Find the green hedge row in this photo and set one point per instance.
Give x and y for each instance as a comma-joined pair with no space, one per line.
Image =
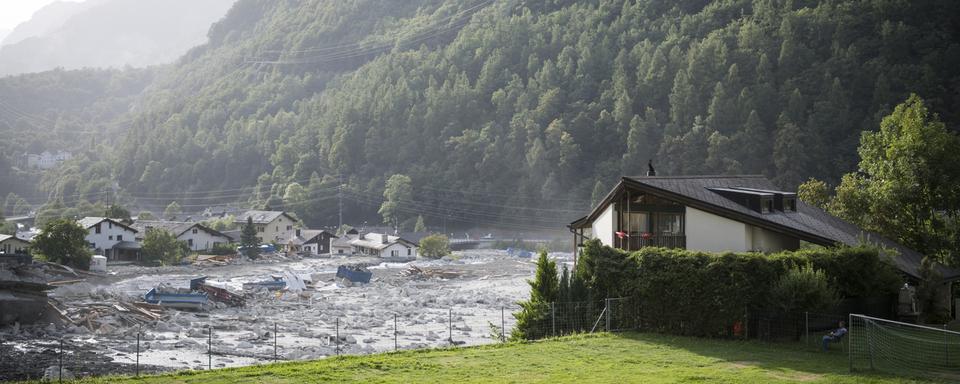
704,294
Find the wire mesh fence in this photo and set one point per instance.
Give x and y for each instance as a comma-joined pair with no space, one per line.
903,349
873,343
162,346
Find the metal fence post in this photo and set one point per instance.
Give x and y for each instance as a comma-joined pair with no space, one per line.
946,347
608,309
138,354
553,318
396,345
274,342
806,327
60,376
870,344
450,324
210,348
338,337
850,338
503,322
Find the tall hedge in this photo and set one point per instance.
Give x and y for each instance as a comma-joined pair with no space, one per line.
704,294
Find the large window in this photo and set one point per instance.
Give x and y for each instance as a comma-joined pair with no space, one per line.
636,222
669,224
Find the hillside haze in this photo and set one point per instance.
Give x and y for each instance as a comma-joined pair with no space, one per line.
522,110
108,33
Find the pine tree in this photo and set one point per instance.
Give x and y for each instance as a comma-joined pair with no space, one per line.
248,239
420,226
532,320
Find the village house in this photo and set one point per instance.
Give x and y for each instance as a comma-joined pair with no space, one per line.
383,245
720,214
12,245
111,238
197,236
272,226
310,241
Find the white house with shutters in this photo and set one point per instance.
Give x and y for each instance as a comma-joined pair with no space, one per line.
111,238
197,236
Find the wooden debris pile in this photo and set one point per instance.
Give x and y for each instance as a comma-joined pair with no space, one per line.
214,260
430,273
106,317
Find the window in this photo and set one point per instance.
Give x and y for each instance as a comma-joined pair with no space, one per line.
635,222
190,243
194,231
260,228
93,245
669,224
394,253
110,237
409,250
289,227
789,205
119,237
259,239
110,224
766,205
96,229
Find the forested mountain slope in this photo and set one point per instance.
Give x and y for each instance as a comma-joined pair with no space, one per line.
494,105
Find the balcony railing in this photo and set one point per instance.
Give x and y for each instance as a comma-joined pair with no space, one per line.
637,241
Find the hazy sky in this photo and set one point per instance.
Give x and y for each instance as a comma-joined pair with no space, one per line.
13,12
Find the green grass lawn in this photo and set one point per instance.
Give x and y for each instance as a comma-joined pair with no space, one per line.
602,358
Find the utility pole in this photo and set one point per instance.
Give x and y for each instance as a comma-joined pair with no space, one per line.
340,200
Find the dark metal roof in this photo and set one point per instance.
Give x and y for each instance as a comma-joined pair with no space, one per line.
808,223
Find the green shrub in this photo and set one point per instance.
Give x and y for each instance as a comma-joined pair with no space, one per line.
803,289
677,287
223,249
434,246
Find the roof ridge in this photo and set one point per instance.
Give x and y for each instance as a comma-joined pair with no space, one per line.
699,177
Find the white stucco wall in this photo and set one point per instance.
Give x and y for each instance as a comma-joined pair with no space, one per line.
768,241
401,251
202,240
712,233
603,226
107,237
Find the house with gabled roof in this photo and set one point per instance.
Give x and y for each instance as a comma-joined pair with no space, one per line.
723,213
111,238
12,245
272,226
198,237
310,241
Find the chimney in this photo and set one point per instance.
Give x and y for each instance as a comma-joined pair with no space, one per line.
650,170
384,239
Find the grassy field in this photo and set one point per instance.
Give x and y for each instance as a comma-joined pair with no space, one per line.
602,358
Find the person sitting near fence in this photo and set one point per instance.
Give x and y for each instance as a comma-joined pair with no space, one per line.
834,336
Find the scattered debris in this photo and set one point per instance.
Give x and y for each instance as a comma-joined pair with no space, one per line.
424,273
214,260
275,284
521,253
